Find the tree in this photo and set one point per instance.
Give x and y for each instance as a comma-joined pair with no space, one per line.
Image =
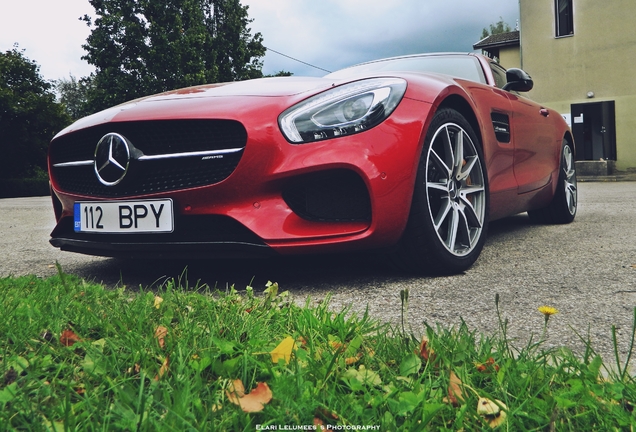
497,28
73,95
29,116
141,47
280,73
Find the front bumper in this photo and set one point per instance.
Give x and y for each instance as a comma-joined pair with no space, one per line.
275,201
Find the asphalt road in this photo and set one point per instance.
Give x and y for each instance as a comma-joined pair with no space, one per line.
587,270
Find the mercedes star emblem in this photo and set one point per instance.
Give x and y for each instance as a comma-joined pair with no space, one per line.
112,157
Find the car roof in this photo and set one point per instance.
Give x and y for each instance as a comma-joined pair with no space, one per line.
436,54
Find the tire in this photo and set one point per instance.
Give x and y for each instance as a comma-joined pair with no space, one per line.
448,221
562,208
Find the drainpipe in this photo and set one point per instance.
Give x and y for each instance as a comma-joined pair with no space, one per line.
520,38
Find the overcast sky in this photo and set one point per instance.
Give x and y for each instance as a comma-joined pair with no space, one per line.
329,34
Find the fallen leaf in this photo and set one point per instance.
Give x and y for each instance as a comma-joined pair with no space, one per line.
603,401
69,338
158,301
454,390
322,416
336,345
163,369
254,401
425,351
320,425
351,360
134,370
283,350
323,413
491,411
235,391
160,333
488,366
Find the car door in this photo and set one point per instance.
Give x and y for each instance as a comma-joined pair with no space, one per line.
533,135
532,132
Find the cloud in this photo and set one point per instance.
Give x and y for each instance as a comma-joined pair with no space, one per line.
333,34
50,32
330,34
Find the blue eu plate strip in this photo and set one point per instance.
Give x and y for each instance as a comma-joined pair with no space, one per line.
77,217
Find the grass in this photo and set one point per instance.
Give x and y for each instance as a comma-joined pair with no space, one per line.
77,356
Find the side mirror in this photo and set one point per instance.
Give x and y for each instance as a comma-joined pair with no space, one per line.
518,80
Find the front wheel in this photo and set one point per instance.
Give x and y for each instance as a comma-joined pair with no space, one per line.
562,208
448,221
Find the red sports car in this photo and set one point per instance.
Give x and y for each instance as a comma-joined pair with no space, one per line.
411,156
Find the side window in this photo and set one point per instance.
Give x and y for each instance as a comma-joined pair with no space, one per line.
499,74
564,17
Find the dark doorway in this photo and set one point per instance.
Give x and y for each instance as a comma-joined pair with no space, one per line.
594,129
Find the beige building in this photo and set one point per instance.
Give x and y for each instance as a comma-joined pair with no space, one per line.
504,47
581,55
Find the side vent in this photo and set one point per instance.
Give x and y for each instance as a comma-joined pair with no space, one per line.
501,124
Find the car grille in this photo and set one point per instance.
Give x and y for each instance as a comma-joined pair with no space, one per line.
152,138
330,196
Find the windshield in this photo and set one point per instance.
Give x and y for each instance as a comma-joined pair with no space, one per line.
459,66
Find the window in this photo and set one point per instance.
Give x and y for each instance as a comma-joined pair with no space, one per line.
499,74
456,65
564,18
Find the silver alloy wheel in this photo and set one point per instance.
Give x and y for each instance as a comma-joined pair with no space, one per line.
570,179
455,189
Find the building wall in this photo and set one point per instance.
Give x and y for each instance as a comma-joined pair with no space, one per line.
509,57
600,57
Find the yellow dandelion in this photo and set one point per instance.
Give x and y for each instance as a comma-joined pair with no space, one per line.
548,310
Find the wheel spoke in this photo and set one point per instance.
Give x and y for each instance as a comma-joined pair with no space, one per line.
441,216
458,157
438,187
471,162
570,179
470,214
474,189
448,149
440,163
465,231
570,196
453,226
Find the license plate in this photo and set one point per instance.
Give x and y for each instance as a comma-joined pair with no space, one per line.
146,216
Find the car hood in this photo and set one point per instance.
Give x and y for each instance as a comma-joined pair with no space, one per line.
190,98
278,86
241,98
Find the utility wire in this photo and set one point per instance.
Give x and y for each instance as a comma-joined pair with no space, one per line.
295,59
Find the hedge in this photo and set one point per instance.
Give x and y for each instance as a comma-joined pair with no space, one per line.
13,188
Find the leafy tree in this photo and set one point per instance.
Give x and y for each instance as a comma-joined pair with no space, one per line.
280,73
29,116
73,95
496,28
141,47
